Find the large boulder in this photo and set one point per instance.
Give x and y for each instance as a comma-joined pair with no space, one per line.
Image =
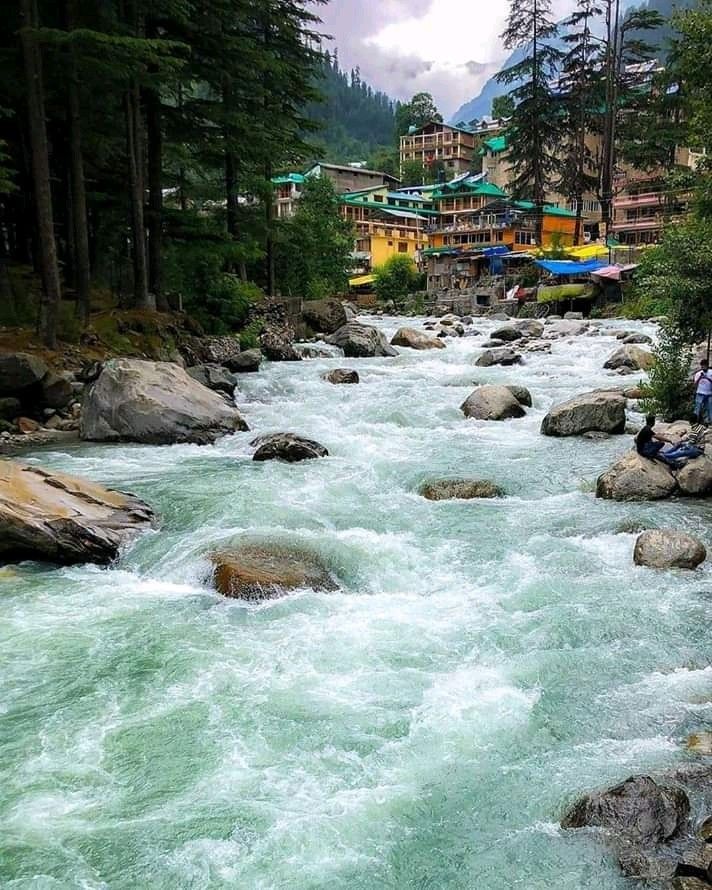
508,333
361,341
638,810
601,411
211,350
413,339
154,403
341,376
530,327
491,402
20,371
324,316
666,548
277,344
459,489
521,394
695,478
254,572
286,447
560,328
630,357
57,390
59,518
247,362
215,377
10,408
635,478
503,356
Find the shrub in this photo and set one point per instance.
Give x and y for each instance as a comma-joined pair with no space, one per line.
397,278
669,392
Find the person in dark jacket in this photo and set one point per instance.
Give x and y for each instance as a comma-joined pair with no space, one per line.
649,444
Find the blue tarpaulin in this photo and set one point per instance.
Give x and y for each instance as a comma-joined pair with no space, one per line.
566,267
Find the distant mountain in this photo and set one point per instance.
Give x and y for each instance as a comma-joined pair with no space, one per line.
481,105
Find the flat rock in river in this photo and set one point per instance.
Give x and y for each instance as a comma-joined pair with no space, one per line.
459,489
501,356
59,518
409,337
600,411
258,572
154,403
340,376
492,402
287,447
631,358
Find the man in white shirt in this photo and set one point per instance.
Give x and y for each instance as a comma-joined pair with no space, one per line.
703,391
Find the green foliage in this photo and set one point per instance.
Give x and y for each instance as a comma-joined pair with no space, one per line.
502,107
669,391
642,306
313,249
250,335
412,173
419,111
355,122
679,272
396,278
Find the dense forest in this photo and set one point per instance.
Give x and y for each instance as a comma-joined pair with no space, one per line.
355,121
138,139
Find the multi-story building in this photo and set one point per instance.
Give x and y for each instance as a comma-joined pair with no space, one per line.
459,250
387,223
352,178
437,143
287,191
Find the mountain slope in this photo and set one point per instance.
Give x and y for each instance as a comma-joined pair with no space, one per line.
481,105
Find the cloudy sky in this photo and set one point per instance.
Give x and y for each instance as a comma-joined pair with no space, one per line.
446,47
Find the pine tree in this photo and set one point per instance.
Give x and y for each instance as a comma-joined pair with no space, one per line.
580,94
535,126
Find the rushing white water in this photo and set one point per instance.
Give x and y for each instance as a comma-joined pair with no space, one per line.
425,726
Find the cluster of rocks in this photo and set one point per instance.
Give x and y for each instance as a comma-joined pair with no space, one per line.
660,829
32,395
450,325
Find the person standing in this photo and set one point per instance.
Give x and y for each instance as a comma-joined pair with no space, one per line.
703,391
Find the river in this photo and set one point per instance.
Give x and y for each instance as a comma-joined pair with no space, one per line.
424,727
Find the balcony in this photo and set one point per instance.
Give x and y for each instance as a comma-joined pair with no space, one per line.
646,199
653,222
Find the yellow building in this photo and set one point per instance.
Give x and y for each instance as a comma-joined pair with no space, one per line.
387,224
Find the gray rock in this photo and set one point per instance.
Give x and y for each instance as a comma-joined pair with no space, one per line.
600,411
413,339
630,357
277,344
10,408
508,333
459,489
215,377
19,371
637,338
218,350
565,328
493,344
695,478
530,327
501,356
247,362
309,352
341,376
634,478
324,316
361,341
286,447
521,394
491,402
666,548
57,390
154,403
259,572
62,519
573,316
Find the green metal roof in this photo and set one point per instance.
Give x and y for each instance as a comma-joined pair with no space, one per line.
549,209
496,144
295,178
487,189
388,208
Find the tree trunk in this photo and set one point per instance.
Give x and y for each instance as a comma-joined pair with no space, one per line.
134,139
155,198
49,269
611,118
269,243
80,227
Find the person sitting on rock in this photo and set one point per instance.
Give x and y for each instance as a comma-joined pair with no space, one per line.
649,444
703,391
691,445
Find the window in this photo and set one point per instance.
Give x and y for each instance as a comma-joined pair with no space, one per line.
390,244
402,247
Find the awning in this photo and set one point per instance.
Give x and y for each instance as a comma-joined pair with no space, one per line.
614,273
360,280
566,267
588,252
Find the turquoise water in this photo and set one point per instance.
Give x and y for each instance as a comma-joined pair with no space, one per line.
421,729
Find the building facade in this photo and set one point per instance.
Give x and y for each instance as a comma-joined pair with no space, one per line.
348,178
433,143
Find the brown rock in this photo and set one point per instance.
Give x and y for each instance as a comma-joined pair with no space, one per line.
258,572
459,489
27,425
666,548
341,376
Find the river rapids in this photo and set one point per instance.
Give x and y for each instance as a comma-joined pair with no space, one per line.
422,728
